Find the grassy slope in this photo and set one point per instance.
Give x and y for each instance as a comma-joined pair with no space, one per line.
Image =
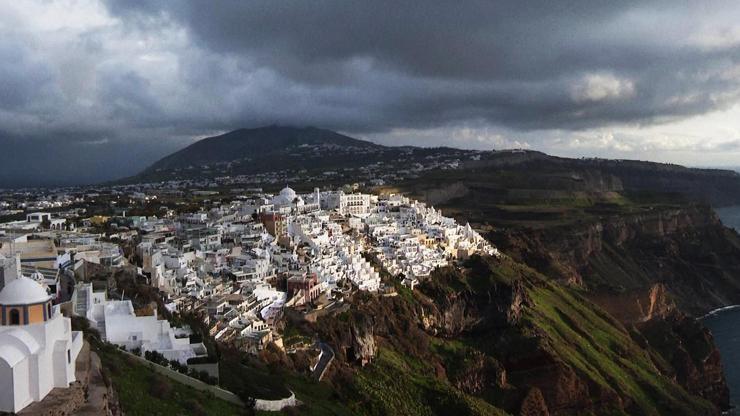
402,385
138,395
559,319
395,384
598,347
582,336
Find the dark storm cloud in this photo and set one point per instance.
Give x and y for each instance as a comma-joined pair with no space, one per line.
530,65
100,90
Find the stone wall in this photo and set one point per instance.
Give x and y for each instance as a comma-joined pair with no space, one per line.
275,405
260,404
189,381
210,368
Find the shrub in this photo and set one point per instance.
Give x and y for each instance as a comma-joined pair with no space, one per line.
195,408
160,387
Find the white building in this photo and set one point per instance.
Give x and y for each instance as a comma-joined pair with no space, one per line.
349,204
287,201
38,348
355,204
39,217
118,324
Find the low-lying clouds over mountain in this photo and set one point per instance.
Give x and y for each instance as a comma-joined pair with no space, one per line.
94,90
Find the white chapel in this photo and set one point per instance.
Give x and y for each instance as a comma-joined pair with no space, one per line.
38,348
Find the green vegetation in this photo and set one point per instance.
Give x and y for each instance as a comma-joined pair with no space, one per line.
141,391
599,348
559,322
292,337
398,384
248,377
318,398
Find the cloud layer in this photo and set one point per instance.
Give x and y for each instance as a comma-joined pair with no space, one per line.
94,90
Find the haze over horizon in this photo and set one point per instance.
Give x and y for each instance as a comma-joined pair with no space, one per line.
96,90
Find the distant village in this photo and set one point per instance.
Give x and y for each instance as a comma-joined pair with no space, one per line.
236,267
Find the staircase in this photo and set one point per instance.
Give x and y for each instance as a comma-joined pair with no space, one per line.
101,329
81,303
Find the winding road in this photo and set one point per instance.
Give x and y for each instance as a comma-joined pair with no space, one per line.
327,357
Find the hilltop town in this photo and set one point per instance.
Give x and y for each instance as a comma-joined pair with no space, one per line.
229,271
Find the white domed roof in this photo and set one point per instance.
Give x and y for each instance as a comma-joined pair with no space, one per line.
285,197
23,291
288,193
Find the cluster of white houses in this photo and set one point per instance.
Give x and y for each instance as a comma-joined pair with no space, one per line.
241,264
237,266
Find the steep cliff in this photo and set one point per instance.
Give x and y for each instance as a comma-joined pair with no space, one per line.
637,264
499,335
635,241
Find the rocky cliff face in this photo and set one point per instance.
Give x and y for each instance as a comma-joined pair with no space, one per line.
363,343
532,346
689,349
686,252
623,235
449,313
638,305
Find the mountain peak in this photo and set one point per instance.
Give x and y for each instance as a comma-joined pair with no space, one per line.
273,144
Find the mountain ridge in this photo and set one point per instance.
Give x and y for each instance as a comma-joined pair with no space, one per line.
310,152
250,139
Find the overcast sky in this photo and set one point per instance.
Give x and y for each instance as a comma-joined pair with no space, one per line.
94,90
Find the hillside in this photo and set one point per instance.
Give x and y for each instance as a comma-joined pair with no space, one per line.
249,144
496,337
596,225
309,154
592,314
268,149
720,187
591,311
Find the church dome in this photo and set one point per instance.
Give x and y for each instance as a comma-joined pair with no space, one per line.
23,291
285,197
288,193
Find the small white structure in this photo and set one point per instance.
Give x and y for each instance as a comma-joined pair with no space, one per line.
38,348
118,324
10,268
37,218
288,201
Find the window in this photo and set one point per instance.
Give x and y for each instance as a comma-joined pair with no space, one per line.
15,317
69,357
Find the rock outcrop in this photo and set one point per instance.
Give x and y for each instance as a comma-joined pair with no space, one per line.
690,350
363,343
534,404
